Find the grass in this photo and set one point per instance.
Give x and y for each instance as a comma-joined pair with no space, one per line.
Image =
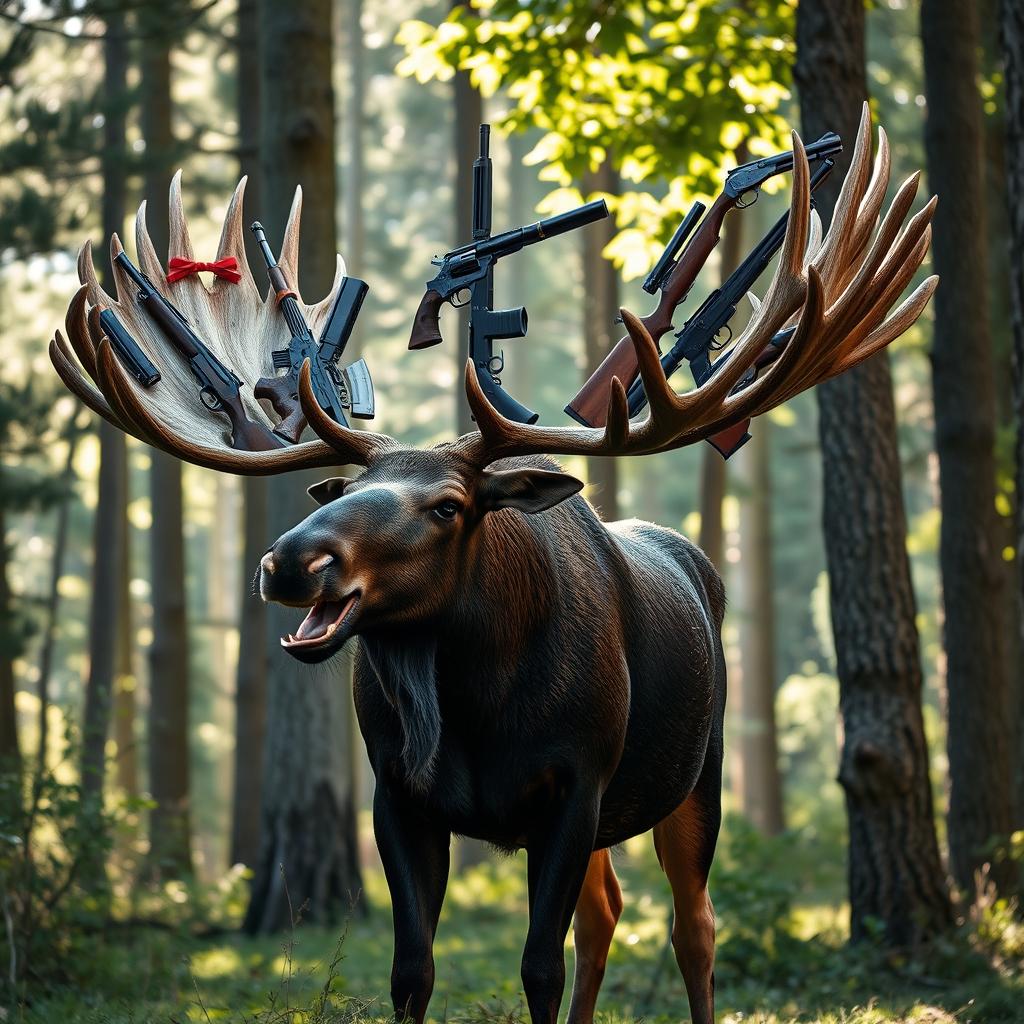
781,957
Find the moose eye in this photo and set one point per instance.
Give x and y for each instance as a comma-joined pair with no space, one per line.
447,511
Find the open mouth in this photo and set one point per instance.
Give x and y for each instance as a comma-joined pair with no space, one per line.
323,625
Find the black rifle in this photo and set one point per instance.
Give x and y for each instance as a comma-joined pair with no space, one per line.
471,267
330,386
134,360
696,340
219,388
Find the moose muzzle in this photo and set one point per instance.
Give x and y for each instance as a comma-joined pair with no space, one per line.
299,572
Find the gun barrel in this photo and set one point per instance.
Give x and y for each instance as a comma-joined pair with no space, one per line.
121,259
665,264
482,175
753,174
570,220
261,240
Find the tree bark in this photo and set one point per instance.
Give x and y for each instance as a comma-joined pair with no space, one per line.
600,331
309,855
168,748
355,167
46,651
973,577
108,525
762,783
251,675
10,750
1012,39
468,115
895,875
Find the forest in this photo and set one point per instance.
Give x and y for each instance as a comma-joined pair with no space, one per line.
186,814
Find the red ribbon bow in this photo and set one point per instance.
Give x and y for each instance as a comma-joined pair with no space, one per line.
226,269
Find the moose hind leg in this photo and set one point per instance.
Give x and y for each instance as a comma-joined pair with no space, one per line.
685,842
597,913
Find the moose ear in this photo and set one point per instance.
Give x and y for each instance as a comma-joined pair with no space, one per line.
328,490
529,490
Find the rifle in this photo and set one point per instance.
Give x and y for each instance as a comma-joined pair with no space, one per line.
335,389
219,388
696,340
674,275
134,360
471,267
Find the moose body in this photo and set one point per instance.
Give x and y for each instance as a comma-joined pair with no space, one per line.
539,681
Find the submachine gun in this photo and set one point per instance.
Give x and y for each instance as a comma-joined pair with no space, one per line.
471,268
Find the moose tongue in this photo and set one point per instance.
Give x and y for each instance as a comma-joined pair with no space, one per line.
320,618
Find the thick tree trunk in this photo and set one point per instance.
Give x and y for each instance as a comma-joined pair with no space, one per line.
1012,37
109,522
469,113
308,853
10,750
251,676
169,829
600,331
973,578
762,783
895,875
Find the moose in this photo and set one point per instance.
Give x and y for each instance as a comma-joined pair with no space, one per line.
526,674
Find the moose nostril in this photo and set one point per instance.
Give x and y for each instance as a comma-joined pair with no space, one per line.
320,562
267,563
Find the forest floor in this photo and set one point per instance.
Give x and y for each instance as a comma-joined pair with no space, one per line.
781,957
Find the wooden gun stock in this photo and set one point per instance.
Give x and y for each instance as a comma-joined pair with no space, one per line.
426,331
282,393
247,435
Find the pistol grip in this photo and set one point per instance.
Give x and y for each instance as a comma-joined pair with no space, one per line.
425,329
279,392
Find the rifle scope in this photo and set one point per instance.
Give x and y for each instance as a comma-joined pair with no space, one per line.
667,263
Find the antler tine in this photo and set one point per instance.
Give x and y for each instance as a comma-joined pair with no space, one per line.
180,241
76,383
87,276
149,262
355,447
232,239
288,257
77,327
839,241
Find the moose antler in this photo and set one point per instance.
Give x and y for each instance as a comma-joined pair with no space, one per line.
838,294
239,324
839,300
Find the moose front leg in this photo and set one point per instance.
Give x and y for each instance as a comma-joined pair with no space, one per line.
557,859
415,855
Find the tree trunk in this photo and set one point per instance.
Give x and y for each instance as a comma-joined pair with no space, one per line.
309,855
1012,37
169,827
126,680
251,676
973,577
10,751
355,167
600,331
762,784
468,115
46,651
108,525
895,875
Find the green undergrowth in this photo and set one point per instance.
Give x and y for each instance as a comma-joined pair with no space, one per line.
781,956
